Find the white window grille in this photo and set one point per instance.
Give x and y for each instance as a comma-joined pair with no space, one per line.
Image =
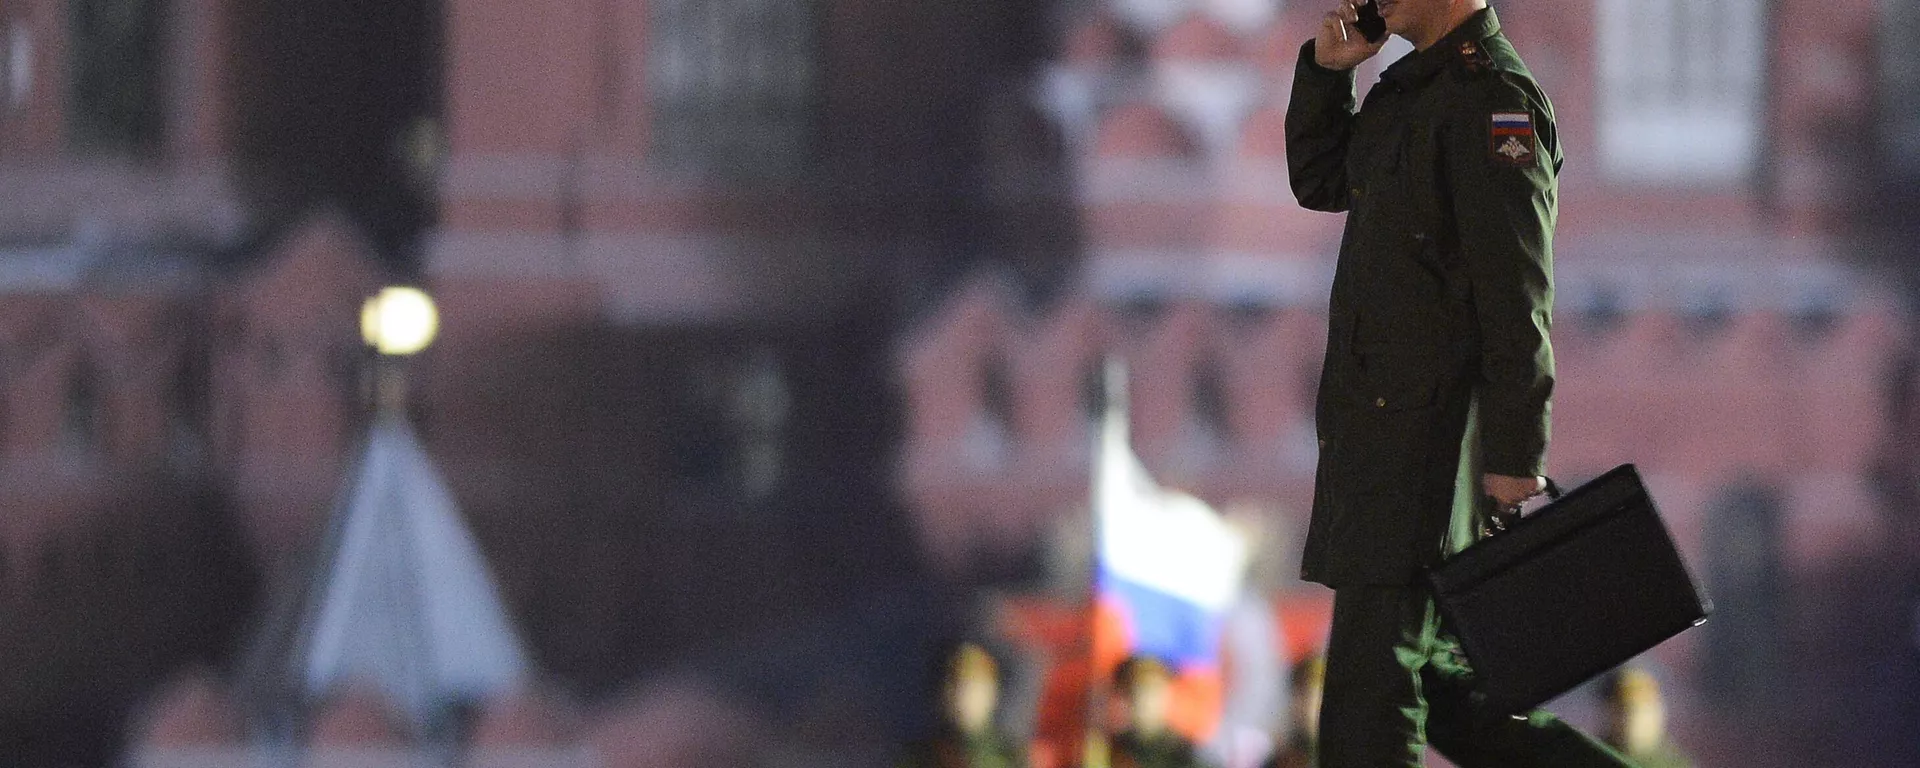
733,85
1680,89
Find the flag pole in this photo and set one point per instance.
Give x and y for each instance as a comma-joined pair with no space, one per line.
1113,428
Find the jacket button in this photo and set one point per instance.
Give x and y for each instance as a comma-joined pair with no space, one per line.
1380,403
1356,192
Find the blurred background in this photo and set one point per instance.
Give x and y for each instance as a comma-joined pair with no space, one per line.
769,358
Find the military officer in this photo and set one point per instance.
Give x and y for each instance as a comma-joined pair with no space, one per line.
969,693
1433,404
1143,689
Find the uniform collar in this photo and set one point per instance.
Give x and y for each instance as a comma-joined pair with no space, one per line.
1419,66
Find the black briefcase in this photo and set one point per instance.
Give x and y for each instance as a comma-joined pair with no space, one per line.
1574,589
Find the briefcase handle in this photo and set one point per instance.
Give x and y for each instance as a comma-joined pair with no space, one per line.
1503,520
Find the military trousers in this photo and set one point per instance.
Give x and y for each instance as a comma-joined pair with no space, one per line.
1396,681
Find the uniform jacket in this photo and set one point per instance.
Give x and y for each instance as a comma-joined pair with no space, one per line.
1438,364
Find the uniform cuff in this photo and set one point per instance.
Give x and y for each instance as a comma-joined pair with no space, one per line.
1307,67
1513,466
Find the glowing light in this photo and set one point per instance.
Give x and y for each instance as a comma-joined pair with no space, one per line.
399,320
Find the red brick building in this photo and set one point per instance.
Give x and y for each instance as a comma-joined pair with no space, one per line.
674,241
687,250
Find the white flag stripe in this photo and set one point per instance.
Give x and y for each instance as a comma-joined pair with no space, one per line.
1157,538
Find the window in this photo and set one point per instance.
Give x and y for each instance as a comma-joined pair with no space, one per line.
1093,391
1245,314
1707,310
758,413
1140,311
1599,306
1208,404
733,85
989,442
115,60
1815,307
81,422
186,442
1246,17
1680,90
727,426
1208,429
1900,83
19,63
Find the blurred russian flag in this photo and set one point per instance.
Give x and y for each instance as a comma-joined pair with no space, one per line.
1168,570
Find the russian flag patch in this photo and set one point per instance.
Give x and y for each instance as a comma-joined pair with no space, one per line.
1513,142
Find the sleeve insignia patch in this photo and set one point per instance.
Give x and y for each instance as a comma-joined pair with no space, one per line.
1513,142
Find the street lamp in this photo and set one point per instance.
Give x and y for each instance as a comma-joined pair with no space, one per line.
399,320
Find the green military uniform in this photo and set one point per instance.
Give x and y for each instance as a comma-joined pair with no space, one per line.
1441,297
1161,750
1438,368
956,750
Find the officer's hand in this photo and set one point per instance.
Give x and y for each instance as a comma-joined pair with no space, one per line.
1340,46
1510,492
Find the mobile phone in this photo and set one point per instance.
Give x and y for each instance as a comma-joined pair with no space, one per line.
1371,26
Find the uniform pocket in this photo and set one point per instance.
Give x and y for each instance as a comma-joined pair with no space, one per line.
1397,377
1398,396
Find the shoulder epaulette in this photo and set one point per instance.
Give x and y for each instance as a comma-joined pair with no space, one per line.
1474,57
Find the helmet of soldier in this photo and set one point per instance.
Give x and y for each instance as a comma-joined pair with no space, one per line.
970,687
1143,687
1636,714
